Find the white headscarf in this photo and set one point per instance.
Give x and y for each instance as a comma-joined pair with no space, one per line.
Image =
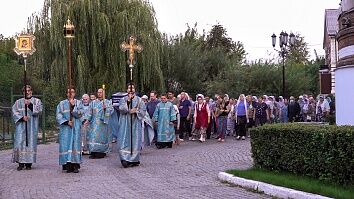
200,95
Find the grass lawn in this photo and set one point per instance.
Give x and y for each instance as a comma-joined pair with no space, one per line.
296,182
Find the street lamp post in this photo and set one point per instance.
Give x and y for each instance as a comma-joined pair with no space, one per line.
284,39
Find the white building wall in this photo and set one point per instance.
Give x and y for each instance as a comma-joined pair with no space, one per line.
344,95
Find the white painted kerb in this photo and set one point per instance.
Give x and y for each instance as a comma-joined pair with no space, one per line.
268,189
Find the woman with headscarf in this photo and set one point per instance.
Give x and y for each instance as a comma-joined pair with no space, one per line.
241,113
283,110
221,113
251,109
201,118
322,109
312,109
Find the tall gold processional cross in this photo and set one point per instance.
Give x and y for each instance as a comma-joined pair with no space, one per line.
131,47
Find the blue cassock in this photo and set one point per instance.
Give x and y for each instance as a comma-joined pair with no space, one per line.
21,153
165,114
99,118
69,138
124,135
149,134
113,123
114,120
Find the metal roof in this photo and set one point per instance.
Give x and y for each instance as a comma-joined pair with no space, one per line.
330,24
331,21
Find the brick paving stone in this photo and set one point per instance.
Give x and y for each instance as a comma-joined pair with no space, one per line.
186,171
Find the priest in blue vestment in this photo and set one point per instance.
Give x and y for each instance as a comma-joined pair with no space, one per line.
165,117
69,116
132,112
24,154
98,138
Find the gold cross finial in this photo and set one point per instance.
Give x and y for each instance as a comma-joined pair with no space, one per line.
131,47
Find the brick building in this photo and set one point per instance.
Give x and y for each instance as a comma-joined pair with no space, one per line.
330,45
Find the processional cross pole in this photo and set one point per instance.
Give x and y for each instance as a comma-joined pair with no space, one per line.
24,46
69,34
131,47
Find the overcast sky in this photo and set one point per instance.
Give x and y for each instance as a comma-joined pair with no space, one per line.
250,21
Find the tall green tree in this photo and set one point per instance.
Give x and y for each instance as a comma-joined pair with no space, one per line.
11,72
221,49
218,38
299,52
100,27
195,62
301,73
182,61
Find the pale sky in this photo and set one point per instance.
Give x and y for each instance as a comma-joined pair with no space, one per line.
250,21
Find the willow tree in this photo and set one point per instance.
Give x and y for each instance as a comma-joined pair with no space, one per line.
100,27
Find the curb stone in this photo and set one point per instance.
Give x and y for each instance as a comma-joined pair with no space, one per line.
268,189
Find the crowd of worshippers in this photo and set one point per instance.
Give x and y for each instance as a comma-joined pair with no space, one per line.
91,124
224,116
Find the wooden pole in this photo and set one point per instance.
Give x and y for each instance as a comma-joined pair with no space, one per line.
25,96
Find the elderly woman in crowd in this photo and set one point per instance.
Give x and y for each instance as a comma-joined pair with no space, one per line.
283,110
322,109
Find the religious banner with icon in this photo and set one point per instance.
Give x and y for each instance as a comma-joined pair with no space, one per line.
25,44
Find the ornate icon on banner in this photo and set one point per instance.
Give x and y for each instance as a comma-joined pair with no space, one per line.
24,44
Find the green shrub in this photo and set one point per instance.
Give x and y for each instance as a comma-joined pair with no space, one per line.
322,152
331,119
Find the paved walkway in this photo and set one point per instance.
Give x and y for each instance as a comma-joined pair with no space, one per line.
186,171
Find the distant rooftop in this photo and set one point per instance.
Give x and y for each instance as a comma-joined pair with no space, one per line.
330,24
331,21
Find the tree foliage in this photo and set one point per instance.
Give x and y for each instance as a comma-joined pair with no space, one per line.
209,62
299,52
199,62
182,60
10,70
218,38
100,28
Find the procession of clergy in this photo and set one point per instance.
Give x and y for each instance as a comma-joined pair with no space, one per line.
90,126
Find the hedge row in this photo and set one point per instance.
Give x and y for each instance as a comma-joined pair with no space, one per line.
322,152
